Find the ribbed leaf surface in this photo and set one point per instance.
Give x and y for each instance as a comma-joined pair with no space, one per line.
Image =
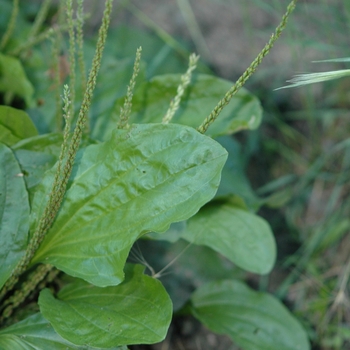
138,311
139,181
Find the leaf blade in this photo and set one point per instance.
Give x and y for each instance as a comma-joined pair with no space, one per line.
253,320
240,236
139,181
137,311
35,332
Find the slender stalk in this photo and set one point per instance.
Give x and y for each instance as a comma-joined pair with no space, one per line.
185,80
40,18
11,25
125,111
167,38
71,33
26,288
194,29
249,71
26,45
58,189
32,41
56,69
67,118
80,42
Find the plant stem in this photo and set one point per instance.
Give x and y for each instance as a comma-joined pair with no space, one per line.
126,109
248,72
185,80
80,42
71,54
58,189
40,18
11,25
56,41
26,288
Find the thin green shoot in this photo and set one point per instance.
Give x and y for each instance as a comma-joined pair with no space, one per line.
125,111
185,81
11,25
312,78
194,29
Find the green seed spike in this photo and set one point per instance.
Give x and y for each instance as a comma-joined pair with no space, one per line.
58,189
125,111
71,32
249,71
185,80
26,288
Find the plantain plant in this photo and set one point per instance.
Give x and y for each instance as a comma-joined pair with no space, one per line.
78,192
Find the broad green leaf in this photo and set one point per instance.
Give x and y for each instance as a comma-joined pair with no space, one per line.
242,237
15,125
14,213
13,80
138,311
253,320
141,180
234,186
151,101
36,333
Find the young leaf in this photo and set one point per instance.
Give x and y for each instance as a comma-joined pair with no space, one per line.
141,180
151,101
13,79
35,332
15,125
14,213
137,311
253,320
240,236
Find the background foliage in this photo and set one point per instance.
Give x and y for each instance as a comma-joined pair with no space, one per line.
297,162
